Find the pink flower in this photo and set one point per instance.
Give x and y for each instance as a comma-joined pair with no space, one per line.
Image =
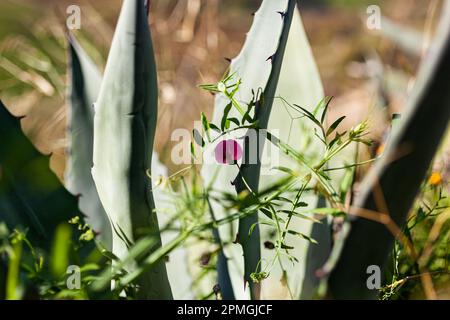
228,152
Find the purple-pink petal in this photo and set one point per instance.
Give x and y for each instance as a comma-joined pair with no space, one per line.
228,152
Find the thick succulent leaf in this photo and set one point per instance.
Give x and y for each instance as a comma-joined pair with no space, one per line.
165,202
249,174
299,82
315,256
252,67
223,272
124,128
31,196
411,150
85,80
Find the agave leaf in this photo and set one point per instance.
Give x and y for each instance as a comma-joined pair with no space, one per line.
302,85
315,256
224,279
299,83
124,128
165,203
31,196
250,173
85,80
251,66
411,150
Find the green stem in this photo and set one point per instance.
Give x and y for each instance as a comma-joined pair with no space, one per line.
12,284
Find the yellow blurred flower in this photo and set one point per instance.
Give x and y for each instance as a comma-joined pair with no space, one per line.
435,179
380,149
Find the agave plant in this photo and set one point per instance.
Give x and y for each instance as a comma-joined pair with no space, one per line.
83,92
126,113
128,224
112,126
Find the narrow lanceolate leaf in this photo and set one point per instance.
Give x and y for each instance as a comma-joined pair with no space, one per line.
393,183
85,80
250,173
124,128
31,196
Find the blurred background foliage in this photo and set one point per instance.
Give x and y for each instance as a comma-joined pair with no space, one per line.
369,72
